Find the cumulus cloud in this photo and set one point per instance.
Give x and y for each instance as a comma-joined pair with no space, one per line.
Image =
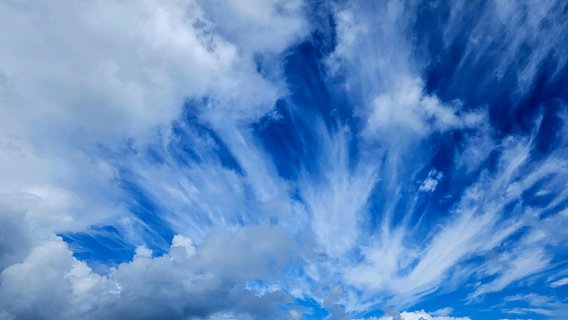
185,282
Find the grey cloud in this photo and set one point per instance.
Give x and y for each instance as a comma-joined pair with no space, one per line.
187,283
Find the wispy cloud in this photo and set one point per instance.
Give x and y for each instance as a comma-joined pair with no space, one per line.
559,282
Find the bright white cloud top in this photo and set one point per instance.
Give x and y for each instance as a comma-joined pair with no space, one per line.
283,160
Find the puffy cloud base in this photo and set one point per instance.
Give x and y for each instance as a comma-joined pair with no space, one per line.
187,282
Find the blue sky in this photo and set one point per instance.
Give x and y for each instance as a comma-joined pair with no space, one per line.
284,160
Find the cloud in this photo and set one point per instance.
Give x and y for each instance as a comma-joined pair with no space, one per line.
250,174
81,75
559,282
406,107
50,283
85,78
431,182
534,304
380,75
258,26
500,28
475,227
185,282
15,242
336,200
152,58
423,315
383,79
80,82
155,56
518,267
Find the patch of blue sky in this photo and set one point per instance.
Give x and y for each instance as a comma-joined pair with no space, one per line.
154,230
192,142
313,310
102,247
288,140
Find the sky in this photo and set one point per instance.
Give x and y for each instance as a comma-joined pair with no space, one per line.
269,159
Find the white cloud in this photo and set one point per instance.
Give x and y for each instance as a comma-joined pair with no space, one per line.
383,78
407,107
443,311
264,26
516,25
559,282
431,182
380,75
534,304
422,315
336,200
81,76
524,311
151,59
519,266
474,228
104,69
